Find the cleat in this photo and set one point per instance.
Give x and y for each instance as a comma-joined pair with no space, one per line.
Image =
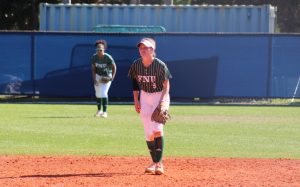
98,113
104,115
159,169
151,168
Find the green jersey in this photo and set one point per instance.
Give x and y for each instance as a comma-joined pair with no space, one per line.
103,65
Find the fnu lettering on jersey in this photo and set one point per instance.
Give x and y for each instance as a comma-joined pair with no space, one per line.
147,79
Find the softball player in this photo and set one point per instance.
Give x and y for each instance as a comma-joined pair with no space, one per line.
103,65
150,79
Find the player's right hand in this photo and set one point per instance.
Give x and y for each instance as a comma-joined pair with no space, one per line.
137,106
96,83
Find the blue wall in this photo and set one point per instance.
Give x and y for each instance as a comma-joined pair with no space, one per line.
202,65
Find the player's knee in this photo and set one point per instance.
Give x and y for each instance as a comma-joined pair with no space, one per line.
150,137
157,134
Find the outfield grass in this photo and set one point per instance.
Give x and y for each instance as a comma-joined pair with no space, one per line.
194,131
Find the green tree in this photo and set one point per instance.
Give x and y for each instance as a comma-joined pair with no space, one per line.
20,15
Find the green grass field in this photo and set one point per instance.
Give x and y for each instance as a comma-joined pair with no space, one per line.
194,131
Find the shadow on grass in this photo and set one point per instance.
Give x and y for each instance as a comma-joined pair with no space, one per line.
53,117
295,104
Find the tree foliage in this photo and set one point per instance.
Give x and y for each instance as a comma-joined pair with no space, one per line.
20,15
23,14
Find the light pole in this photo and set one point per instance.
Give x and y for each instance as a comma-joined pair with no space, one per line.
168,2
67,1
34,15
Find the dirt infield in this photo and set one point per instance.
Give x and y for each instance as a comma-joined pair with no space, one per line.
129,171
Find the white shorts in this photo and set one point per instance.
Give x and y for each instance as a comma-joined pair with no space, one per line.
101,90
149,101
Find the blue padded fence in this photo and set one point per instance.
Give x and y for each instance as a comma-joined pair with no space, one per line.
202,65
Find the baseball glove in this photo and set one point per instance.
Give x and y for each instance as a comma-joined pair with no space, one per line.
160,115
105,79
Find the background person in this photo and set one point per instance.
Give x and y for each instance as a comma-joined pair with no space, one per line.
103,66
150,79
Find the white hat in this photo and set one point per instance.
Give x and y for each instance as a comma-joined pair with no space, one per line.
148,42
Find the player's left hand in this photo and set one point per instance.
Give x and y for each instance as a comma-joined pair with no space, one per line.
160,115
164,105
